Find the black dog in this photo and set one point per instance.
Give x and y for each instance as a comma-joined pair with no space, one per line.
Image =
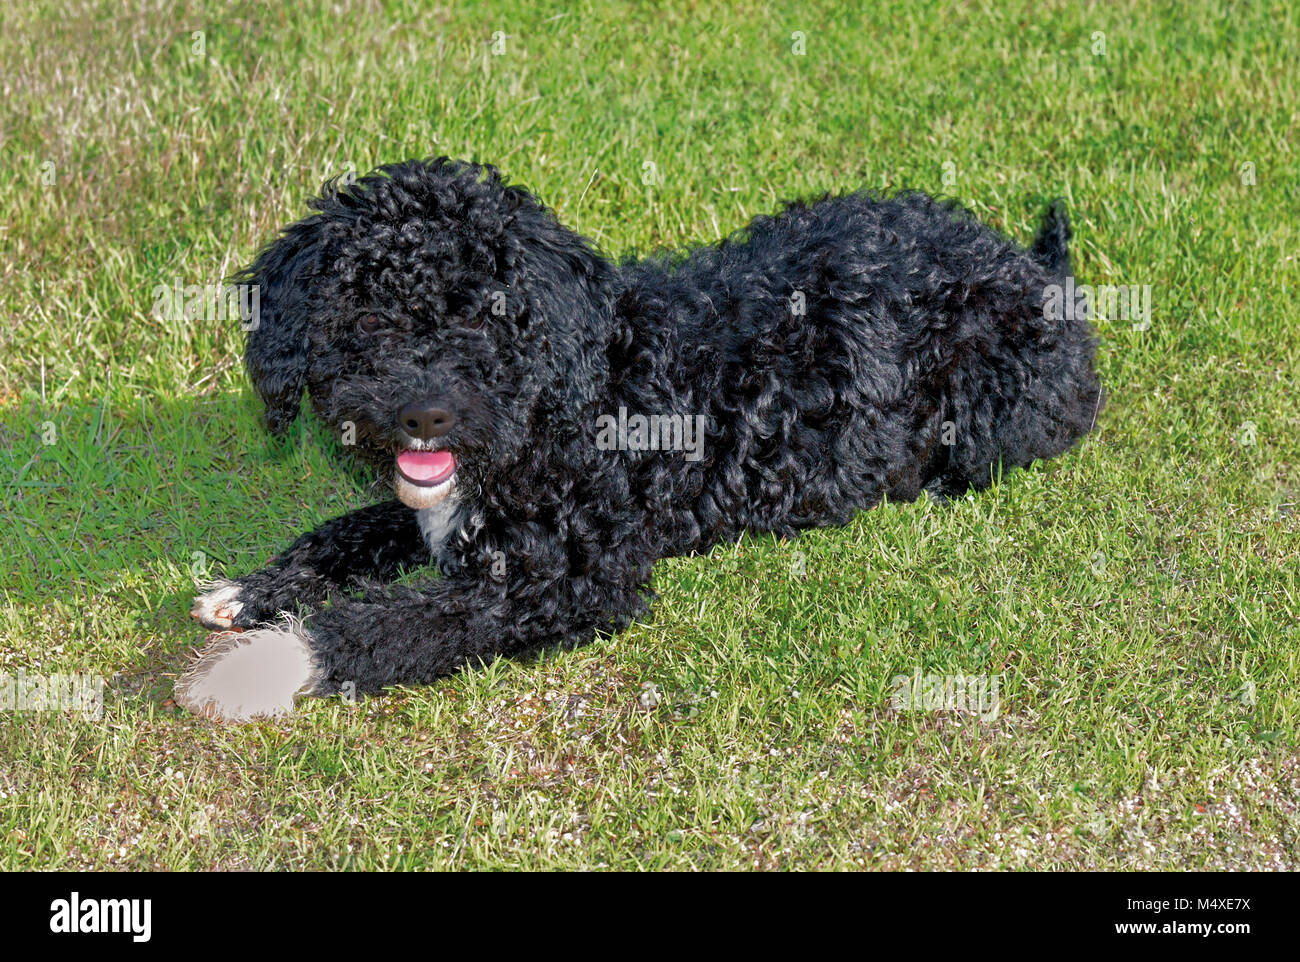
554,423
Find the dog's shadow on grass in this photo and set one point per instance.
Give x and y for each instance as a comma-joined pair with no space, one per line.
117,511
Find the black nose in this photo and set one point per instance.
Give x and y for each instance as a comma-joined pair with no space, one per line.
424,421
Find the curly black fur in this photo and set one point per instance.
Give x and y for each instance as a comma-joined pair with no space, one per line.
840,352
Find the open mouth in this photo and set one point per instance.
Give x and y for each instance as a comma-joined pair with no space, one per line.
426,469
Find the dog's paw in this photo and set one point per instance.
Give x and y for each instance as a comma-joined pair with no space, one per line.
246,675
218,607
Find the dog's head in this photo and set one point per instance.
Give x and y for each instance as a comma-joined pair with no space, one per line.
439,319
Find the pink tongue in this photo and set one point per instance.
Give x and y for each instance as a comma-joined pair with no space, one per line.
426,466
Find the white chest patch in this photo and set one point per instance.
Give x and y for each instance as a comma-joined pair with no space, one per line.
437,523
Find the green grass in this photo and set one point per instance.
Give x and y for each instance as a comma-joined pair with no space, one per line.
1138,597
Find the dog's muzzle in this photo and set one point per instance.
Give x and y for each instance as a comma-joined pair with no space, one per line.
424,475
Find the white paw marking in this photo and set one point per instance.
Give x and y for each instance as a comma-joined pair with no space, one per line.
250,674
218,607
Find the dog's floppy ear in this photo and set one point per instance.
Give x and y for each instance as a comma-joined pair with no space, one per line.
568,306
276,350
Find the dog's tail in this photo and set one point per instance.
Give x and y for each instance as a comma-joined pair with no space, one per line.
1052,245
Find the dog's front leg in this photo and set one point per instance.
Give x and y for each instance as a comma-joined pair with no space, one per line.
401,636
373,543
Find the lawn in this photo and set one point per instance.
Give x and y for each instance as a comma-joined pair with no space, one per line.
1136,601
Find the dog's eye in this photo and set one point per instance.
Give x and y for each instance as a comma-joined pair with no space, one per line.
369,324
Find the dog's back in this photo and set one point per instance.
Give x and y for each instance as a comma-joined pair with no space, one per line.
858,348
